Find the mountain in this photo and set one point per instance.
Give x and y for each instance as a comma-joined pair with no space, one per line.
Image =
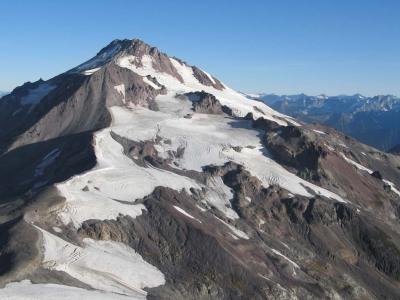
372,120
138,175
2,93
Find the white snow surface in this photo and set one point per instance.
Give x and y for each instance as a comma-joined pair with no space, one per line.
285,257
104,265
361,167
25,290
90,72
151,83
357,165
37,94
392,186
319,131
239,103
183,212
236,232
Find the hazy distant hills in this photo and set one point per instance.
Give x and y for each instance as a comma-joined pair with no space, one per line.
372,120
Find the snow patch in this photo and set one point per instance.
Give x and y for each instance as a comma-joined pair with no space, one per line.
185,213
209,77
357,165
90,72
57,229
151,83
319,131
237,233
392,186
285,257
121,90
104,265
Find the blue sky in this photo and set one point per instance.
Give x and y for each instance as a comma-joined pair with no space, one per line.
284,47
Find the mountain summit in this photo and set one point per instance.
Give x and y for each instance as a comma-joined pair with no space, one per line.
137,175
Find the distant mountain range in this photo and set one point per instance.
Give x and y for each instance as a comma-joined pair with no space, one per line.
372,120
2,93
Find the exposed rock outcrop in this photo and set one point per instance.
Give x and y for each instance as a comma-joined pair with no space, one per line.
205,103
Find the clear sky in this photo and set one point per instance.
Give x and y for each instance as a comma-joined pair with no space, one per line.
284,47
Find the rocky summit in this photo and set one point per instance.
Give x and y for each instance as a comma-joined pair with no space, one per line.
138,176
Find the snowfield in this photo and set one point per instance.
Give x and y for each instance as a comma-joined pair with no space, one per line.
104,265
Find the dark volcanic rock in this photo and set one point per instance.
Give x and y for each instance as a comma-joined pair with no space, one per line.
293,148
377,175
205,103
203,78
